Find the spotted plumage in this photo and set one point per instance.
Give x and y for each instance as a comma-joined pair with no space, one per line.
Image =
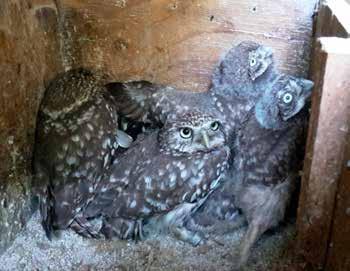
268,153
77,136
245,71
234,85
237,83
269,157
162,179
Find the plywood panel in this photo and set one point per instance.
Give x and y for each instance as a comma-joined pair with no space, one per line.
28,58
339,247
333,19
329,126
179,42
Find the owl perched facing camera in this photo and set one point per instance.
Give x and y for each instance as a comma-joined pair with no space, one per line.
162,179
77,134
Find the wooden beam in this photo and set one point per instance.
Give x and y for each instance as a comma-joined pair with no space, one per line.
338,258
333,19
325,147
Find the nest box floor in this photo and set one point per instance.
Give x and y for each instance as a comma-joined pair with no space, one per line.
33,251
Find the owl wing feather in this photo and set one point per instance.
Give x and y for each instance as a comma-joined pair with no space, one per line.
146,102
73,155
153,183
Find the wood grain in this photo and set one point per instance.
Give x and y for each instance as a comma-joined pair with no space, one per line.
339,245
179,42
322,184
328,134
28,59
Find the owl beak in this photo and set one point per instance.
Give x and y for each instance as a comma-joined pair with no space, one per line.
205,139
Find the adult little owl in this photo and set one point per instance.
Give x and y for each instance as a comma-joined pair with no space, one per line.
77,135
162,179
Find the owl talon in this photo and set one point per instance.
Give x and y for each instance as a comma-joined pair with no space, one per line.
139,234
84,228
194,238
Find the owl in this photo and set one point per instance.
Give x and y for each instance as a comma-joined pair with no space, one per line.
245,71
77,135
238,81
162,179
268,156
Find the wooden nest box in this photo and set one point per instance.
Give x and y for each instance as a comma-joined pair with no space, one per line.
178,43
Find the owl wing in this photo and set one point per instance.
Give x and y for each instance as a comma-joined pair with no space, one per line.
145,102
74,153
152,183
135,100
270,154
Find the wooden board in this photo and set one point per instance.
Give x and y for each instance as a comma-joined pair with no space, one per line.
322,184
179,42
329,131
339,246
333,19
28,58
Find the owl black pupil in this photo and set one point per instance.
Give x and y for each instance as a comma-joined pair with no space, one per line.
186,131
215,125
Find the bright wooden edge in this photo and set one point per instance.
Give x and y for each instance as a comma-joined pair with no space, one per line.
335,45
341,9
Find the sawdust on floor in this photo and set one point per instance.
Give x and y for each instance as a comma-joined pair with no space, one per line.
33,251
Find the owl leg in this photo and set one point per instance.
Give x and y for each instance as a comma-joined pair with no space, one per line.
138,231
267,214
184,234
83,227
252,235
118,227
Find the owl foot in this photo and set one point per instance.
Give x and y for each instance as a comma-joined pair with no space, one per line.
83,227
194,238
139,234
122,228
252,234
217,226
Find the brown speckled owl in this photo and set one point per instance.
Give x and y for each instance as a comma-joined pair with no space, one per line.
77,135
162,179
238,81
269,151
243,74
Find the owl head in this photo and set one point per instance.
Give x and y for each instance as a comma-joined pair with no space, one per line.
259,59
68,91
283,100
190,133
246,64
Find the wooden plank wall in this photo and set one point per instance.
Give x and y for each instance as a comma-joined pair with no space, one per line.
178,42
339,248
28,59
323,215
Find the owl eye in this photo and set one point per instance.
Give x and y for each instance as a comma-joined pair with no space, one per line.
186,132
287,98
252,62
215,125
